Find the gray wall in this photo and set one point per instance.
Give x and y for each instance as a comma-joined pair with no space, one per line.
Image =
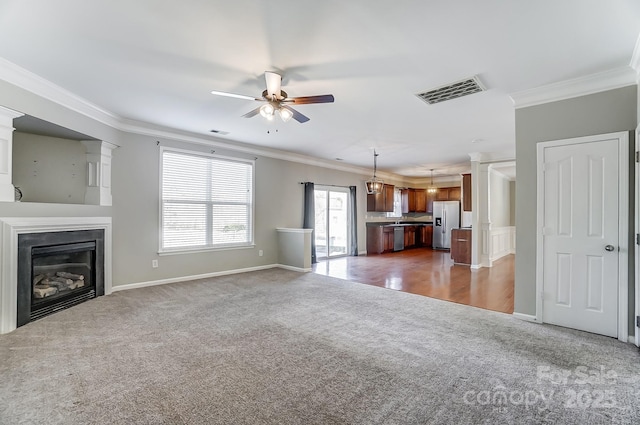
605,112
49,169
278,203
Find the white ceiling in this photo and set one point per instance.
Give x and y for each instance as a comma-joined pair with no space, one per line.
156,61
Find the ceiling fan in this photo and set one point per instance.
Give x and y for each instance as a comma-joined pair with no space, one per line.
277,100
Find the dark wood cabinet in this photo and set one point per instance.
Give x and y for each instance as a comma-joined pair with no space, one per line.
448,194
461,246
381,202
442,194
454,193
430,197
424,235
409,237
421,200
466,192
379,239
414,200
408,200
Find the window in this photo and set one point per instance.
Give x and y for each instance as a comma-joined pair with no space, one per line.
206,201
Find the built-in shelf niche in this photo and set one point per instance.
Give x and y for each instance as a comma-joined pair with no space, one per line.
52,164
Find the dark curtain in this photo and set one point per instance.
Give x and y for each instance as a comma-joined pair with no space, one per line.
310,217
353,222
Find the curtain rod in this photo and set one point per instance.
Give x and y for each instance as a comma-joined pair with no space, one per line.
331,185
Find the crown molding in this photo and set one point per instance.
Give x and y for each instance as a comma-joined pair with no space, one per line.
27,80
635,59
582,86
146,130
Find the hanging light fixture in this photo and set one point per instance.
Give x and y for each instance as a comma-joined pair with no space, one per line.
432,189
374,185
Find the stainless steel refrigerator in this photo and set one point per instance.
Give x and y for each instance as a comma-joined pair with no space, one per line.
446,216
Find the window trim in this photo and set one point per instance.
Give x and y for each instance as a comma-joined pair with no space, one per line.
218,247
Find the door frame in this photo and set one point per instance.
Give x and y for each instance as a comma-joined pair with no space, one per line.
341,189
637,237
623,223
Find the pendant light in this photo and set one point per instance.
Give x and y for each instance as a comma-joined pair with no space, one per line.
432,189
374,185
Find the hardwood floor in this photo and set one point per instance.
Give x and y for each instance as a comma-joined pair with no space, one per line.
432,273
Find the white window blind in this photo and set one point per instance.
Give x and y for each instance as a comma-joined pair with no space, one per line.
206,202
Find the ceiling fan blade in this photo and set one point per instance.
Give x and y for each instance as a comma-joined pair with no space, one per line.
296,115
237,96
305,100
252,113
274,82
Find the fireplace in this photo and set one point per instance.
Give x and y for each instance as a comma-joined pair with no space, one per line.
57,270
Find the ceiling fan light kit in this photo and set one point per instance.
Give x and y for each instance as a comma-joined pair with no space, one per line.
374,185
278,100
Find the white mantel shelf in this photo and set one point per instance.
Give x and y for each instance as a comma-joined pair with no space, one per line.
11,227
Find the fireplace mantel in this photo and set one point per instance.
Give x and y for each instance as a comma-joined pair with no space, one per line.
11,227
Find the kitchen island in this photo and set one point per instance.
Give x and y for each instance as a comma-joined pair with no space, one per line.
389,236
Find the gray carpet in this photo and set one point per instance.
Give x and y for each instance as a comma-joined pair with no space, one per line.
279,347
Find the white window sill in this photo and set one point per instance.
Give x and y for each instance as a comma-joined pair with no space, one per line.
181,251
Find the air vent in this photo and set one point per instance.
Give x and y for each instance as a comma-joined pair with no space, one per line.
220,132
452,91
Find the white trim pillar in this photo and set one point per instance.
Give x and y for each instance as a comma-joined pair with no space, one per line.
7,191
480,215
98,190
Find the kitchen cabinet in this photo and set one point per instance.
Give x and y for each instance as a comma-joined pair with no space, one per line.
424,235
421,200
448,194
430,197
379,239
466,192
409,237
454,193
381,202
408,197
414,200
461,246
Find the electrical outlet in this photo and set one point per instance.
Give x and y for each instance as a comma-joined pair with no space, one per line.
154,264
260,253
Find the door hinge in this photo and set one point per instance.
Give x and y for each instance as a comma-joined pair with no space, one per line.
637,238
638,321
638,156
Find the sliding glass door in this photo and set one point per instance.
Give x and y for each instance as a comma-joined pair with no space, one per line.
332,223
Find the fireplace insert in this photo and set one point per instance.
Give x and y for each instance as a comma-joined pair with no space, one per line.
57,270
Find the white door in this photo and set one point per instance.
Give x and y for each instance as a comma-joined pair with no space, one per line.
581,236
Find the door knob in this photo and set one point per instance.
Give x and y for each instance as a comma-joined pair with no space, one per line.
609,248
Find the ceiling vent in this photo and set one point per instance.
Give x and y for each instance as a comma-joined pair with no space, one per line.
452,91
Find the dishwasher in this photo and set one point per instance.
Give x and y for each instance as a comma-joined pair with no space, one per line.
398,238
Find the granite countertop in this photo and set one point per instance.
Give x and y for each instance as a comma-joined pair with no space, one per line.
401,224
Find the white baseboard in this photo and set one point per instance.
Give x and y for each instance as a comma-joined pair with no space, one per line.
192,277
525,317
632,339
295,269
475,267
